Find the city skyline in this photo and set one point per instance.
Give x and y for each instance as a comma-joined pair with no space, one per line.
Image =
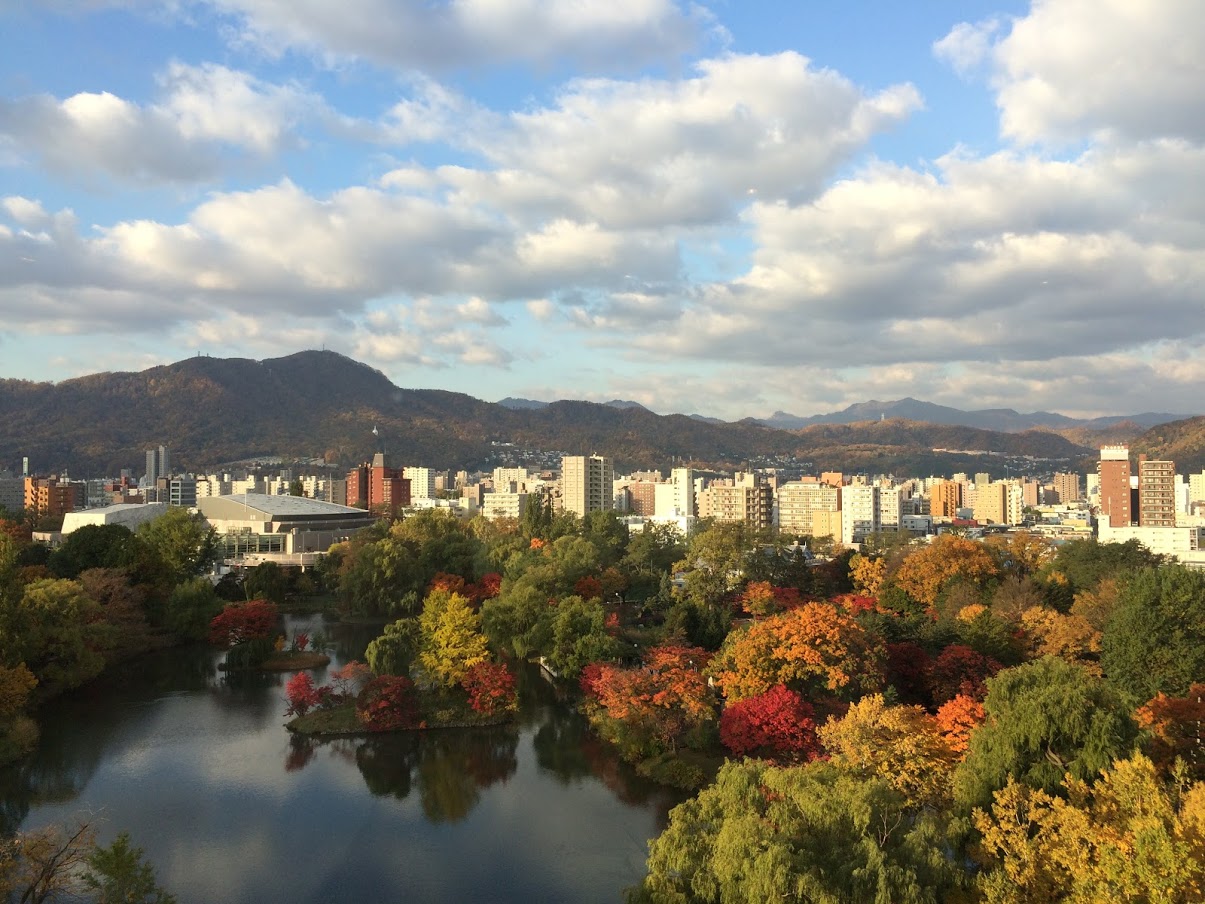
701,208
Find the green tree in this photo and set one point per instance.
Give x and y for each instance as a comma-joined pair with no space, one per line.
1155,640
57,631
1085,563
810,833
93,546
266,581
117,874
1045,719
191,607
579,636
181,544
394,650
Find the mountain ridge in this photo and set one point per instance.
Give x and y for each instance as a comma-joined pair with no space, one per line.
323,405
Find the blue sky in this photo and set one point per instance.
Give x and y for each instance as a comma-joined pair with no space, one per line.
723,208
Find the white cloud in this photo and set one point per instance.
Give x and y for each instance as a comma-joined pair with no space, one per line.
433,37
1077,69
966,46
206,114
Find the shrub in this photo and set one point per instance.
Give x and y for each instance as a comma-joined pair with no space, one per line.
491,688
387,703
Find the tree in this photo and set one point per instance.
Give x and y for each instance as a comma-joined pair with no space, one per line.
1069,637
44,865
901,745
1044,719
1021,553
867,573
183,545
266,581
579,636
190,609
956,719
394,650
301,694
647,709
1085,563
1173,730
93,546
812,649
1155,641
777,725
123,608
1125,838
811,833
452,642
491,688
57,631
960,670
387,703
929,570
117,875
242,622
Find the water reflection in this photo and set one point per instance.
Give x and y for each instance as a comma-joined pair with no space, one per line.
189,761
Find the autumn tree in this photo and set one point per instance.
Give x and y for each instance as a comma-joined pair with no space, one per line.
956,719
451,638
648,709
491,688
958,669
867,574
242,622
777,725
1021,553
1045,719
579,636
811,833
57,631
387,703
929,570
191,607
1069,637
901,745
814,649
301,694
1173,731
1155,640
1127,837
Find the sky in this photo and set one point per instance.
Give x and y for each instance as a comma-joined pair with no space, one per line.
721,208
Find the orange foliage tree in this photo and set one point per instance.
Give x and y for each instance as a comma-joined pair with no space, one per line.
926,572
815,649
957,718
656,702
1174,725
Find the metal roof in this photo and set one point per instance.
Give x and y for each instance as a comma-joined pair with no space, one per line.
279,506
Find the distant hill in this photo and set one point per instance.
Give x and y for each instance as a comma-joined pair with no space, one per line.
323,405
521,404
1002,419
1181,441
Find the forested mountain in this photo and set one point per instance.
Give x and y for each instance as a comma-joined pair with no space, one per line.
1181,441
319,404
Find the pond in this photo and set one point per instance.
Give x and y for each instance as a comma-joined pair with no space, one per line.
228,806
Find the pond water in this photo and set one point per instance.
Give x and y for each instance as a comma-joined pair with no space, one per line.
229,807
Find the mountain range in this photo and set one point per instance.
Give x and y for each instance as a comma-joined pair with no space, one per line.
319,404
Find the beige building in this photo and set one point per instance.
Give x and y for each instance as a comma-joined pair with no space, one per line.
799,501
746,499
1156,493
587,484
1067,488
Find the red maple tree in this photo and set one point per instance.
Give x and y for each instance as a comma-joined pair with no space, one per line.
778,724
491,688
240,622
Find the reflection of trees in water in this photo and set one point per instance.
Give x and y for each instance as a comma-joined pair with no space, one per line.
301,751
449,767
558,744
55,773
454,765
387,763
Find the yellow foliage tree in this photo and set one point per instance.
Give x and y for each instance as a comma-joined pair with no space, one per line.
901,745
452,642
1021,552
1125,838
926,572
1097,605
811,649
1069,637
867,574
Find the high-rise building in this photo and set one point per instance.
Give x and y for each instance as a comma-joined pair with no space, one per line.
51,496
587,484
683,480
422,482
860,513
747,499
375,485
1114,471
1066,487
798,503
182,491
157,465
1156,493
945,498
